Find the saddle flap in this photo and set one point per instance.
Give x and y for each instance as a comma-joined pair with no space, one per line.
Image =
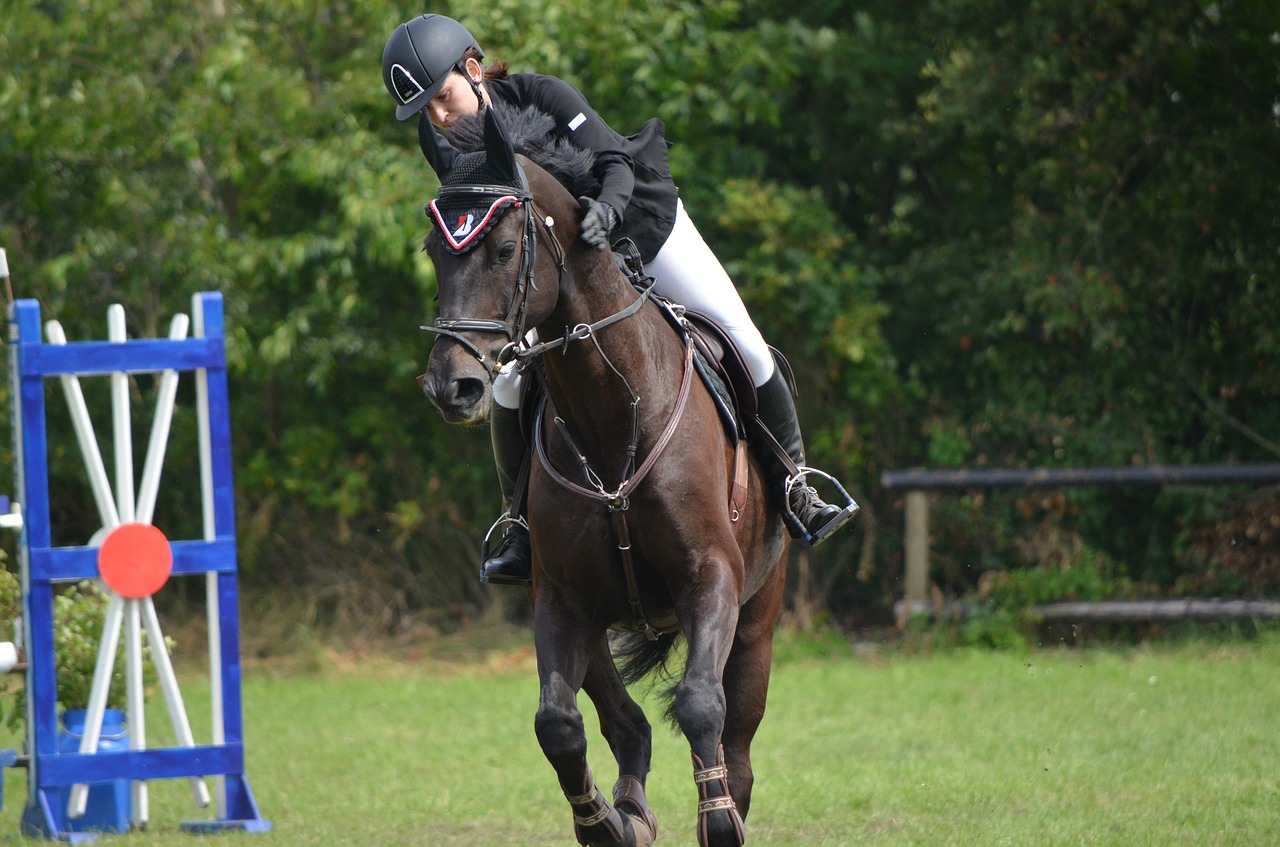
717,345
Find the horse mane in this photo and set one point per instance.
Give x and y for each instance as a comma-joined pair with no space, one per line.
532,134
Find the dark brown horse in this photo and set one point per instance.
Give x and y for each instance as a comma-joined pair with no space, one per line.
629,496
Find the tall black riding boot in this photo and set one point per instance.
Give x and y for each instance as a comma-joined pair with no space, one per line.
806,514
511,562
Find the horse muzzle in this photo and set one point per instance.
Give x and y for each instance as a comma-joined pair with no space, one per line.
461,400
457,384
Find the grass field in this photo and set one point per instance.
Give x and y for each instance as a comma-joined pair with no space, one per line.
1142,746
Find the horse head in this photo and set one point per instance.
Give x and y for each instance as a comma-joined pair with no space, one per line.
498,258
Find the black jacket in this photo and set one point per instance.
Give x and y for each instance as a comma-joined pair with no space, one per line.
635,178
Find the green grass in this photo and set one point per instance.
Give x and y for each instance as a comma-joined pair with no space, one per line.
1147,746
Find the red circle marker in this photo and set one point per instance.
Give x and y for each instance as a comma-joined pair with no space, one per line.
135,560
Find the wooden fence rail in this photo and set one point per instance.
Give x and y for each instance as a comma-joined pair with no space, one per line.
917,484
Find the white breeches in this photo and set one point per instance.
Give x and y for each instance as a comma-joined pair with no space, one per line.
688,273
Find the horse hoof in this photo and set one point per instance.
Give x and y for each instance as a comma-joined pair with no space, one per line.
644,835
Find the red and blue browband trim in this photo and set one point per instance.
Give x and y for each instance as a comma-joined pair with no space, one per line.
469,224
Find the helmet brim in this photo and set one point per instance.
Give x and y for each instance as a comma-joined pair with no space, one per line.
404,111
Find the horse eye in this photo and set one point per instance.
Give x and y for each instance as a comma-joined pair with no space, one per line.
505,252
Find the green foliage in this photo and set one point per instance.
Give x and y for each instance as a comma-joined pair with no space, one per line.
78,614
10,614
1002,615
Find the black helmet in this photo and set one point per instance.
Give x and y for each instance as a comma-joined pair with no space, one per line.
418,57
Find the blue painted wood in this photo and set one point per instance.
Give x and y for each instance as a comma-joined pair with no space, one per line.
90,358
63,564
37,594
159,763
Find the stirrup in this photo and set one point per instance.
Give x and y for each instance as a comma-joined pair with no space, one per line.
502,521
486,552
846,513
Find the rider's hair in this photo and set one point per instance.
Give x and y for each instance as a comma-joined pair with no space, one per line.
498,70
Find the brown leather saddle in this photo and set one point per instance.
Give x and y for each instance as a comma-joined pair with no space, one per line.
720,364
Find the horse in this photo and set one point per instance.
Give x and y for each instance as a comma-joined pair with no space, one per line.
638,538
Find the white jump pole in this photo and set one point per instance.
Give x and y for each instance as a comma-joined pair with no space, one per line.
212,602
151,468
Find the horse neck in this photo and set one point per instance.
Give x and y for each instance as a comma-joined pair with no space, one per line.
594,401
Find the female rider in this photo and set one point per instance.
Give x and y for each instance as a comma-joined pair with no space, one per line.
432,66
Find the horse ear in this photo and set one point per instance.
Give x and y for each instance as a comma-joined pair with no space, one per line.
439,152
499,153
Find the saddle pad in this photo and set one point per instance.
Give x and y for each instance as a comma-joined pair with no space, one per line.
720,394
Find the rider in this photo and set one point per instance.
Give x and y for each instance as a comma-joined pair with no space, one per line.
432,66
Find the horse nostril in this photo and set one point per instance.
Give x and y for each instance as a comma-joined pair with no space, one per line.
468,392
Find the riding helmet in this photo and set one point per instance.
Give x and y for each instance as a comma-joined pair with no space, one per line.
418,57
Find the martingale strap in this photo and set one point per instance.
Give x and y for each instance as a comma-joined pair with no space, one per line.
619,501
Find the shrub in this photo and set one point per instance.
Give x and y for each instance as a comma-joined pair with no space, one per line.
78,616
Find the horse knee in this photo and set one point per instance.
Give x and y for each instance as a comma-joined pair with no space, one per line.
560,731
700,708
629,729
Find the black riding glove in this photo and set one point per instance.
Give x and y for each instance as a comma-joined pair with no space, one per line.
599,221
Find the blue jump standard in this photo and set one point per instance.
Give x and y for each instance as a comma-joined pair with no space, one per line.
51,773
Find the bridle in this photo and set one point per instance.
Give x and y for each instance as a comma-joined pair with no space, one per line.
513,325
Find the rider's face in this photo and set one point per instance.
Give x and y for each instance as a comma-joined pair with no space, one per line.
455,98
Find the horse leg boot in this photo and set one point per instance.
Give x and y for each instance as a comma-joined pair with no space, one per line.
510,564
807,515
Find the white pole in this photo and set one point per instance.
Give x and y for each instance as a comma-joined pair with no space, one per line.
84,435
173,697
137,716
151,469
154,462
98,695
4,273
212,606
122,425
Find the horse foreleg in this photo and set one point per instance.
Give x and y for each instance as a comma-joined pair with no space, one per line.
564,649
710,617
746,684
624,725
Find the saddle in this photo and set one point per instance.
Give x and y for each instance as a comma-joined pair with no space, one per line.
719,363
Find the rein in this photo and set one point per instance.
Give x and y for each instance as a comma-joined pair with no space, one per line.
583,331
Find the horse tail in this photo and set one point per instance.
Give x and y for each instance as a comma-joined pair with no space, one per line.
638,658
